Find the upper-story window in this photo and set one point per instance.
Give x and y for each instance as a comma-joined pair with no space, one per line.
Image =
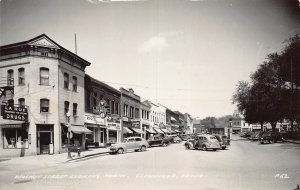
137,113
131,112
21,102
11,102
10,77
44,76
117,108
66,107
112,107
74,83
75,109
95,99
66,80
125,110
21,76
44,105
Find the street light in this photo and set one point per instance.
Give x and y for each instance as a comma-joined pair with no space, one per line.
68,114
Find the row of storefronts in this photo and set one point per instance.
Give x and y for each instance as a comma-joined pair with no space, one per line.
64,107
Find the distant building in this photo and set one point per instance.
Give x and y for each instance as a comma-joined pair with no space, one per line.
188,123
197,126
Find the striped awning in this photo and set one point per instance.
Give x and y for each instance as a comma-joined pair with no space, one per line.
151,131
158,130
138,131
126,130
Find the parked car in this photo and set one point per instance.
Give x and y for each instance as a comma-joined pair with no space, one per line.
256,136
223,140
173,138
184,137
157,140
271,137
129,144
203,142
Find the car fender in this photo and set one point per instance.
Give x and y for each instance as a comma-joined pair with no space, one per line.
190,144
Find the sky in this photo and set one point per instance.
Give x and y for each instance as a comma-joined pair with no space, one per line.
185,54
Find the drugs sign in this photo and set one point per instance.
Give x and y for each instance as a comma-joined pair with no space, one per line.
14,113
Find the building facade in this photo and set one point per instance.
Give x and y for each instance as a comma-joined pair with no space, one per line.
48,81
188,123
106,129
131,121
145,110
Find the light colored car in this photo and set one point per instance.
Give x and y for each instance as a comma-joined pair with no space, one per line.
203,142
129,144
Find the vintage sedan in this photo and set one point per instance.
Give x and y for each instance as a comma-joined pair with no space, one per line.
223,140
129,144
271,137
203,142
157,140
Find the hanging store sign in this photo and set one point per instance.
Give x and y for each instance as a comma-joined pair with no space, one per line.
14,113
135,124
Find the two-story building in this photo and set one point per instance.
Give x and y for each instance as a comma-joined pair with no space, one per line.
145,110
131,121
47,80
107,128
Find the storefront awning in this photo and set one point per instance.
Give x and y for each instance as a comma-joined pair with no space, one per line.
173,119
171,131
158,130
78,129
11,124
151,131
126,130
165,130
139,131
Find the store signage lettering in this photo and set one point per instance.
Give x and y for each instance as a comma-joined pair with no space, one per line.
14,113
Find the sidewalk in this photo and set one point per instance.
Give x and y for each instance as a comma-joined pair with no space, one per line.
47,160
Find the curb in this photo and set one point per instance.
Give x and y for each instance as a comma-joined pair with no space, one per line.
86,156
291,141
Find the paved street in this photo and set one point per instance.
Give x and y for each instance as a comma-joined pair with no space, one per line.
246,165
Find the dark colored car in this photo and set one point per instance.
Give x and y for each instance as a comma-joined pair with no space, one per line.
158,141
223,140
271,137
173,138
256,136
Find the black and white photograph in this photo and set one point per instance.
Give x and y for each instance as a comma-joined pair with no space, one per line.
150,94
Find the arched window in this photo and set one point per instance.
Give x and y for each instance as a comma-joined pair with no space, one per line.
21,76
44,76
10,77
21,102
66,80
44,105
74,84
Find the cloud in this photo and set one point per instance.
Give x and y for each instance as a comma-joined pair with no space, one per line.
160,42
155,43
108,1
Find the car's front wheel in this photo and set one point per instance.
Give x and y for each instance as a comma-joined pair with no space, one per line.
204,148
120,151
187,146
143,148
164,144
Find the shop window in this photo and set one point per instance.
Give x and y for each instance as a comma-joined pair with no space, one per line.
74,84
44,76
66,106
15,138
66,80
64,137
21,102
10,77
44,105
21,76
74,109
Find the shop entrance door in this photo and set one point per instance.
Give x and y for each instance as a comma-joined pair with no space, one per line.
45,141
102,138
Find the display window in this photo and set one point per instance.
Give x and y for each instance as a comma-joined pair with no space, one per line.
15,138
